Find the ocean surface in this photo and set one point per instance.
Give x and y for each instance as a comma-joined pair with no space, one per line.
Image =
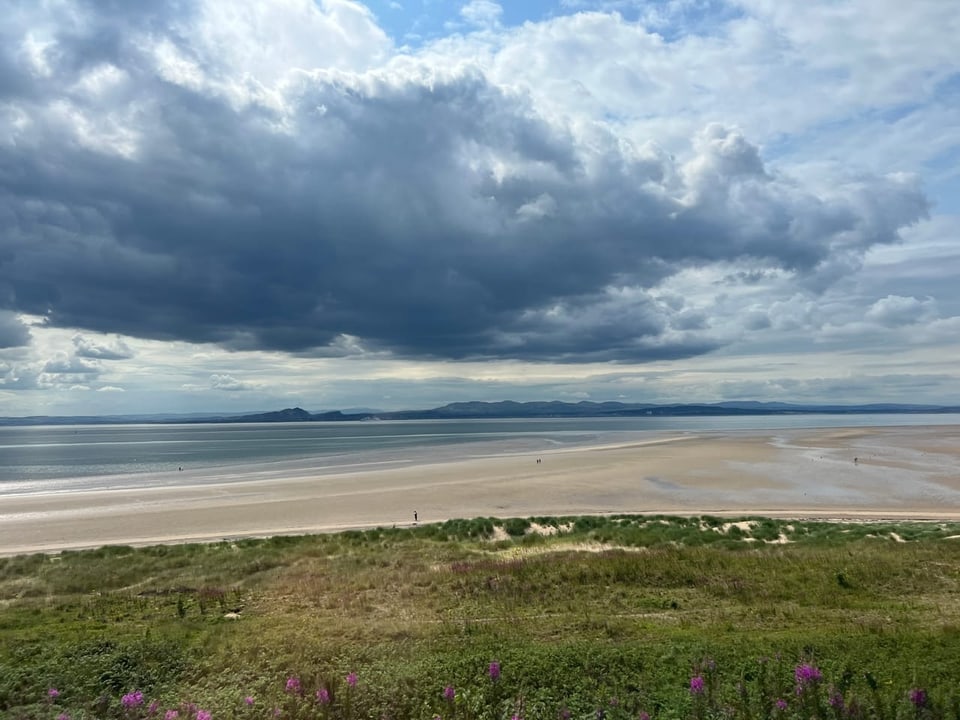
58,458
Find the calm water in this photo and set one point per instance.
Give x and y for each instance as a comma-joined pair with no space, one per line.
32,458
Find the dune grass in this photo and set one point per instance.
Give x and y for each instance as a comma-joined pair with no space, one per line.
586,615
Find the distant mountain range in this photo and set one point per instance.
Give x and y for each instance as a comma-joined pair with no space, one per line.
556,409
504,409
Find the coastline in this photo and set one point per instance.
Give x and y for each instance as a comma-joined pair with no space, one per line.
900,473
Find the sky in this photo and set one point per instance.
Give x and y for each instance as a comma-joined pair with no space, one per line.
242,205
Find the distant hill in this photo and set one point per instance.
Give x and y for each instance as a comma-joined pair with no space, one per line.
288,415
555,409
501,410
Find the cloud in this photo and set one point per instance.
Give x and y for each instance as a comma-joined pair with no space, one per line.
64,364
176,179
895,310
482,13
227,382
13,331
18,377
112,350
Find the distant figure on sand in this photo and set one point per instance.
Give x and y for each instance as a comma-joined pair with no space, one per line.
414,517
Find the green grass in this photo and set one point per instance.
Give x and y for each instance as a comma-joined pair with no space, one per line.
610,613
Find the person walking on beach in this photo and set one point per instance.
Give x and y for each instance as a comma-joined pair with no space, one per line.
414,517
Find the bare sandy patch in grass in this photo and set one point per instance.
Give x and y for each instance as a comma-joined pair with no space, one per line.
521,551
744,526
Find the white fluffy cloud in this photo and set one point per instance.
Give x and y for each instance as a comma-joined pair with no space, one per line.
895,310
227,382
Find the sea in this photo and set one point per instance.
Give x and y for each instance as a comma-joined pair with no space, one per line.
64,457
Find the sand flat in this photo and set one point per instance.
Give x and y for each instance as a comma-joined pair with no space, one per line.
900,473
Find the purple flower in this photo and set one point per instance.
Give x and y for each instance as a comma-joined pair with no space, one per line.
248,700
807,674
63,716
171,715
204,715
323,696
53,693
449,693
835,700
565,714
781,704
154,706
293,685
643,715
918,697
494,671
132,700
696,685
352,679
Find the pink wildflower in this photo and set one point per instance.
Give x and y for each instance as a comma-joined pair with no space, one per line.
171,715
293,685
323,696
918,697
494,671
696,685
807,674
781,704
449,693
248,700
204,715
132,700
63,716
53,693
352,679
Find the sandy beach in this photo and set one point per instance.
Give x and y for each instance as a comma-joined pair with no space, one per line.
851,473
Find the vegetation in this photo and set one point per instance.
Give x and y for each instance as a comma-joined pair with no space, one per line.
599,617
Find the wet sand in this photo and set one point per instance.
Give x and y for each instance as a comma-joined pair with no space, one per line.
899,473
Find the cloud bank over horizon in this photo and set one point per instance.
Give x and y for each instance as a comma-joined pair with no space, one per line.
294,194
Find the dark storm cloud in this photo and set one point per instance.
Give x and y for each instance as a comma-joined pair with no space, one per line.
431,214
13,333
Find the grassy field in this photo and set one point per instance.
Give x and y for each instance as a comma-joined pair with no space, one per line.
556,618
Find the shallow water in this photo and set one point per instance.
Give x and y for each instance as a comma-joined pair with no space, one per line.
38,459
